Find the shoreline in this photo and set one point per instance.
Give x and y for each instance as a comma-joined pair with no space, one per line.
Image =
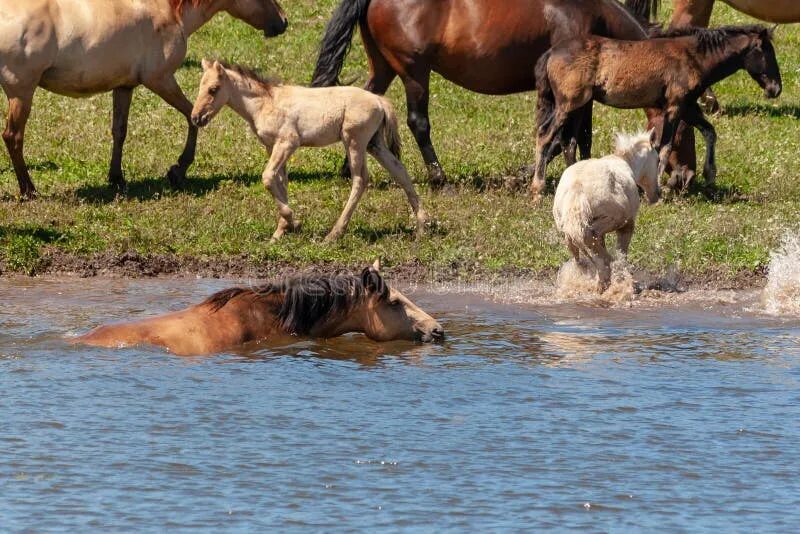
133,265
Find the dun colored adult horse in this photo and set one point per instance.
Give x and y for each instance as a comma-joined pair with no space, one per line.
698,12
487,46
79,48
320,306
670,72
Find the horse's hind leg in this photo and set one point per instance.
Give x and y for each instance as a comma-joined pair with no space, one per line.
624,236
19,109
168,89
358,169
583,133
119,129
389,162
417,94
545,144
600,257
276,181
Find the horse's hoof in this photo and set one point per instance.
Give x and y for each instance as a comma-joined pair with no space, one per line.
436,177
710,175
28,195
176,177
536,200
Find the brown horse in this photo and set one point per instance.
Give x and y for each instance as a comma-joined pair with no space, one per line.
83,47
487,46
320,306
669,72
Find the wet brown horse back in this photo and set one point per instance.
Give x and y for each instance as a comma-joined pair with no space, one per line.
486,46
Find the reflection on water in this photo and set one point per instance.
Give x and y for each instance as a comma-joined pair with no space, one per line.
667,411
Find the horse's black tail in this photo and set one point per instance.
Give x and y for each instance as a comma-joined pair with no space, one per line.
336,42
546,101
644,10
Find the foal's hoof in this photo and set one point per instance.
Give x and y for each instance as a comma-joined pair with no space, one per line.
176,177
28,195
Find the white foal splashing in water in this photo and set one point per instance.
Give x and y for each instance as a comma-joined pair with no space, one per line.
286,117
598,196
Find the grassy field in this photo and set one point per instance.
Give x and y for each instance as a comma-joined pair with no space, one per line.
479,228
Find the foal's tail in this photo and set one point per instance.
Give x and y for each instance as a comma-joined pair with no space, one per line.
389,128
336,42
576,221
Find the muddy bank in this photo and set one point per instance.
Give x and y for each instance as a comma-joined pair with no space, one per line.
132,264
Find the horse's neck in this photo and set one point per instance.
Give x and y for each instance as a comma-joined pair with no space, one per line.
720,64
192,17
352,321
249,101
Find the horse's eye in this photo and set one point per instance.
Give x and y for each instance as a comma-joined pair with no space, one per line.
213,91
394,303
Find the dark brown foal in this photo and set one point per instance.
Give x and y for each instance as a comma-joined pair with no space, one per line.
668,72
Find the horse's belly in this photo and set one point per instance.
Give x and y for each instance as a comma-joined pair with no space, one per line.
81,82
780,11
508,72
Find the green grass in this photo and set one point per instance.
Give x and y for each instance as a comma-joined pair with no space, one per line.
479,228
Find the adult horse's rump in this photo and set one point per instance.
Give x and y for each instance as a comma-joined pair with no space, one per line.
487,46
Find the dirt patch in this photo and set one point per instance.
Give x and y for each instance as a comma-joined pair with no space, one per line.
132,264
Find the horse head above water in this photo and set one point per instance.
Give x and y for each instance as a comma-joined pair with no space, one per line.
313,305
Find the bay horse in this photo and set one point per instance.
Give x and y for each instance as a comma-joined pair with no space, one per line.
79,48
487,46
597,196
670,72
286,117
317,306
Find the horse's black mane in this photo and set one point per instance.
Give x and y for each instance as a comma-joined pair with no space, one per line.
307,299
252,74
710,39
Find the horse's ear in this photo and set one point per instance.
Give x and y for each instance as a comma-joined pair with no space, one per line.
373,282
219,68
206,64
652,134
377,264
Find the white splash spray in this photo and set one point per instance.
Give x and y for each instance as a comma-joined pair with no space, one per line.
781,296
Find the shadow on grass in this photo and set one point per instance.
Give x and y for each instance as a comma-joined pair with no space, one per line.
743,110
373,235
155,188
40,234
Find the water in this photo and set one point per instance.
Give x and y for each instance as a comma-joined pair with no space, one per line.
671,412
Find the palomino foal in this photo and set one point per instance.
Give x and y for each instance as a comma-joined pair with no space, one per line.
319,306
286,117
598,196
83,47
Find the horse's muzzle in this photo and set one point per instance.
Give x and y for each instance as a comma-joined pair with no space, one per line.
276,28
435,334
773,90
201,120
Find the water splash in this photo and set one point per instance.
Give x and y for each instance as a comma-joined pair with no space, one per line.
577,282
781,296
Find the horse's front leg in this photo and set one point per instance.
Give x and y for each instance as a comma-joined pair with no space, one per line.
670,124
19,109
417,96
119,129
275,180
694,117
168,89
584,131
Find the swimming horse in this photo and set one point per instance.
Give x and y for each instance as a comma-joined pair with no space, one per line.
317,306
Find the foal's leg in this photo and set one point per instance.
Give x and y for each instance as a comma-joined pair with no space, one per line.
19,109
119,129
275,180
358,169
168,89
694,117
624,236
544,146
601,258
417,87
584,131
400,175
671,120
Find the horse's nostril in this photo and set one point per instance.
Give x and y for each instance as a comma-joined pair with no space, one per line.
437,333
